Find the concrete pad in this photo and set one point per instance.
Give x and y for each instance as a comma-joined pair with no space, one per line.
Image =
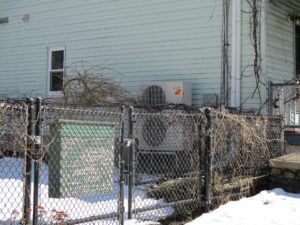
290,161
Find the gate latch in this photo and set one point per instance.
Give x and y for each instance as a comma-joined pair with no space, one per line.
129,142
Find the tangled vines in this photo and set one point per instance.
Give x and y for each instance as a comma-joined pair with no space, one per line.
13,133
88,87
242,147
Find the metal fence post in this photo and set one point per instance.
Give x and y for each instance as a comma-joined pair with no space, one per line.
130,167
37,158
208,162
28,162
270,105
122,168
201,138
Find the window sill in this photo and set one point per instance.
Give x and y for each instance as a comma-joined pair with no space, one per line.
54,94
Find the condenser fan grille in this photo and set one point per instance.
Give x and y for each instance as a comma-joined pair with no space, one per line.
154,95
154,132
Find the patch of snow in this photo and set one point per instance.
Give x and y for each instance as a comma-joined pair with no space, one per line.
135,222
275,207
11,198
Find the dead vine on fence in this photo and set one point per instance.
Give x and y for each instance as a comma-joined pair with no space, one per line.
241,149
13,125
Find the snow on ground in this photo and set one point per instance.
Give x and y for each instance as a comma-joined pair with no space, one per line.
11,197
275,207
136,222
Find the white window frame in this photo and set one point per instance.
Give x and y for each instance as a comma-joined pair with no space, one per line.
50,50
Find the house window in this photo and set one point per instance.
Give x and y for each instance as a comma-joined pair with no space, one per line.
297,43
56,69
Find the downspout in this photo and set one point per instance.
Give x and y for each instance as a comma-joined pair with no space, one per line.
263,50
236,55
225,45
263,37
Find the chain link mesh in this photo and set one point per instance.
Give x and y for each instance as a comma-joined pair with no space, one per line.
13,124
80,161
285,102
241,148
79,173
168,173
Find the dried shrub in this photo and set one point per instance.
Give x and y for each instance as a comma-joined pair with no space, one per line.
13,125
87,87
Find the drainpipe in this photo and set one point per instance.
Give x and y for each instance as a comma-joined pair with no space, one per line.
236,54
225,45
263,51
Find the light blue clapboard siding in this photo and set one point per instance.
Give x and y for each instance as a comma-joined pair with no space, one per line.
142,40
249,97
279,47
280,41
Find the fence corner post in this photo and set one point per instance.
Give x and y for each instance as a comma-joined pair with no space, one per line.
208,161
270,98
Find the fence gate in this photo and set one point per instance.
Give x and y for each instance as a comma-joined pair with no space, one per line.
165,164
76,173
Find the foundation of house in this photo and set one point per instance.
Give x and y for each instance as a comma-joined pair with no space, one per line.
285,172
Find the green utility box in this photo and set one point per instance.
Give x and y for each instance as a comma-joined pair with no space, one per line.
81,158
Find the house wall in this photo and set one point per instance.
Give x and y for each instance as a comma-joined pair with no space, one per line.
251,97
275,39
142,40
280,41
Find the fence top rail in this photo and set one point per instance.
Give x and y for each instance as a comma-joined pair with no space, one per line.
246,115
86,110
12,105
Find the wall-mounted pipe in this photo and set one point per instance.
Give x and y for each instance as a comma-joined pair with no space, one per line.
236,54
224,96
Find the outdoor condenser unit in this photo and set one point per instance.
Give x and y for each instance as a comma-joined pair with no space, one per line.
165,136
165,132
164,93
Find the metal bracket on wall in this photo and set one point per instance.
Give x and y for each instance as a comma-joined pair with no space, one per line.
3,20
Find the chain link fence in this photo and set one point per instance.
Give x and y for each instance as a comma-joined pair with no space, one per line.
79,179
242,146
284,101
65,165
13,145
168,177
